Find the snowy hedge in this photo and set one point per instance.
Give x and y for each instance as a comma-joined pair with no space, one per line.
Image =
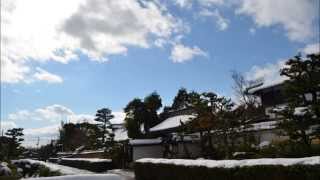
262,169
93,164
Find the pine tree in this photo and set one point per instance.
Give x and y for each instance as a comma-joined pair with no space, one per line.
152,104
136,115
15,136
180,101
104,116
303,94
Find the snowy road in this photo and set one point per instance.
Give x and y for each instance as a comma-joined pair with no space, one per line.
65,170
79,174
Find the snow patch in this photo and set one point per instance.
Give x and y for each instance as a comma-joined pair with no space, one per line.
234,163
56,167
145,141
82,177
87,159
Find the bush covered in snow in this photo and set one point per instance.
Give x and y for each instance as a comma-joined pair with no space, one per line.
262,169
4,169
95,165
28,168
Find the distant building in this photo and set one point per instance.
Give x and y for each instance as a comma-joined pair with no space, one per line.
271,96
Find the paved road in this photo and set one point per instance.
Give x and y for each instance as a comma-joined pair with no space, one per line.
126,174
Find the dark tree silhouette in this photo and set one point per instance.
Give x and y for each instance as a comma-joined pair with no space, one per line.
104,116
302,92
15,135
180,101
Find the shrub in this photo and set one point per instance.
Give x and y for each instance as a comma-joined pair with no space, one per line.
150,171
46,172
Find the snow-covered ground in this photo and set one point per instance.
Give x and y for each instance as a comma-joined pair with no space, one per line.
66,170
126,174
82,177
234,163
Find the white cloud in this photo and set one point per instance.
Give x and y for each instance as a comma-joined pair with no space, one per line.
181,53
53,115
221,22
184,3
58,113
44,30
311,48
5,125
13,71
43,75
211,2
43,134
295,16
269,73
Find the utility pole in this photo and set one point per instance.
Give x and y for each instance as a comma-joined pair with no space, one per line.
38,141
0,127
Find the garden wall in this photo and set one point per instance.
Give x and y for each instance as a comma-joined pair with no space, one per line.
255,169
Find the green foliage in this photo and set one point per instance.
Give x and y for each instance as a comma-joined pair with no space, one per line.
180,101
142,113
152,103
215,117
135,117
302,91
46,172
72,136
13,143
148,171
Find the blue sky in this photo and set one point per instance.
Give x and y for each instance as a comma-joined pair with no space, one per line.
65,63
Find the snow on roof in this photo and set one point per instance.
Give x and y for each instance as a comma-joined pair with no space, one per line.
265,85
145,141
82,177
87,159
234,163
172,122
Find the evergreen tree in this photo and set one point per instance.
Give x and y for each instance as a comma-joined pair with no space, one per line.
136,115
152,104
142,115
302,92
215,118
14,148
180,101
104,116
72,136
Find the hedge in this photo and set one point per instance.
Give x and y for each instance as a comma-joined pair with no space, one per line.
151,171
84,164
